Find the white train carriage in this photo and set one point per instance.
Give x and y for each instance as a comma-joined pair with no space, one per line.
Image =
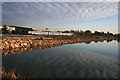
50,33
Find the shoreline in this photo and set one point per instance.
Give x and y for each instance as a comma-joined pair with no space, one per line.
12,45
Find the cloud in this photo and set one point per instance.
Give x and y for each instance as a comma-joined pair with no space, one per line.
0,13
60,0
29,12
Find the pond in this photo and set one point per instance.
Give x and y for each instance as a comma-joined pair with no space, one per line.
79,60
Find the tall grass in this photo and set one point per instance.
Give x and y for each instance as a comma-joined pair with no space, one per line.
9,75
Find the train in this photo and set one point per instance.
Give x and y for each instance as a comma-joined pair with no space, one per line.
49,33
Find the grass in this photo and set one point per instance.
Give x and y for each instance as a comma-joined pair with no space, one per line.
9,75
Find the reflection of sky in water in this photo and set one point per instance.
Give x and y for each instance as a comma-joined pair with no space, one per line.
62,62
110,49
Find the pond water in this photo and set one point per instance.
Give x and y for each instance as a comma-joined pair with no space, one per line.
80,60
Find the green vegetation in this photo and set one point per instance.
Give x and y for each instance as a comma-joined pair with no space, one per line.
89,33
23,30
4,30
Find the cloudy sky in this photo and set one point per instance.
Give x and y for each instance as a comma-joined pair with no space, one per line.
100,16
0,13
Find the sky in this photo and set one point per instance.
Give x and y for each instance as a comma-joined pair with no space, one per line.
60,1
0,13
94,16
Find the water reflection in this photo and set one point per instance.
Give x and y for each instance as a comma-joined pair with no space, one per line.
109,40
106,48
19,50
62,62
118,40
96,41
88,42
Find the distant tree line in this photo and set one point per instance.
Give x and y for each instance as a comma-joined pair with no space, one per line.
89,33
21,30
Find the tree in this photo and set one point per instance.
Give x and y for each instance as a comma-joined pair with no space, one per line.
108,32
4,30
13,32
102,33
18,31
88,32
111,34
66,31
46,28
81,33
72,31
97,33
77,31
